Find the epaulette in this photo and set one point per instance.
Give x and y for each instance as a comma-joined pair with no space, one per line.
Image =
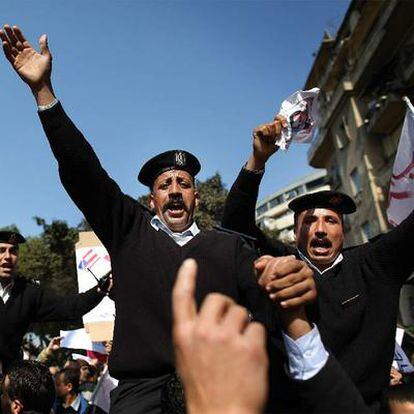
23,279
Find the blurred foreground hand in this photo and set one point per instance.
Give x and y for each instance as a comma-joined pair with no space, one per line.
220,355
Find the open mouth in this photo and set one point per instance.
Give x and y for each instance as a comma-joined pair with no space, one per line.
6,268
321,246
175,209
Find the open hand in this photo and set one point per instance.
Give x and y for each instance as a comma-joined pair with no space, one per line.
33,67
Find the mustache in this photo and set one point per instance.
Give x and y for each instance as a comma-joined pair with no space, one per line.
177,204
323,242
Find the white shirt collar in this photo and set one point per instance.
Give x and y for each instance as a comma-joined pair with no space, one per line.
76,403
6,291
179,238
321,272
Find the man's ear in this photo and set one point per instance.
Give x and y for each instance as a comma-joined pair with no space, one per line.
16,407
151,202
197,198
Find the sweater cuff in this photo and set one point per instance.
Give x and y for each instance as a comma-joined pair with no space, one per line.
51,118
248,181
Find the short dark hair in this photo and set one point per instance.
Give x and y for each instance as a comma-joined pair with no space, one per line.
400,393
31,383
71,376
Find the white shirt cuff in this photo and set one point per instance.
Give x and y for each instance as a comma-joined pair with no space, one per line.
42,108
306,356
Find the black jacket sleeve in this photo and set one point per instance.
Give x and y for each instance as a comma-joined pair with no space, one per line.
239,213
52,307
391,253
105,207
330,391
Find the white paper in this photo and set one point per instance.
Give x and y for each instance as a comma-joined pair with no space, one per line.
79,339
96,259
301,111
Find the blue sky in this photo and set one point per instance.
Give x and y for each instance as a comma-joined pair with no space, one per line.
141,77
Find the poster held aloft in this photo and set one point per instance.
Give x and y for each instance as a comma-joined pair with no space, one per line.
93,261
302,114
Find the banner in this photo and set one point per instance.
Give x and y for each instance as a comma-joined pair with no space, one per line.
401,195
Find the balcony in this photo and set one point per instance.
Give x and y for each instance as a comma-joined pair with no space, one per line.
384,114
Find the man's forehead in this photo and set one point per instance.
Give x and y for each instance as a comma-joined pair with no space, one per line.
319,212
9,246
173,174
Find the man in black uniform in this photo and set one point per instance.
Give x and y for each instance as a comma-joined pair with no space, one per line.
23,302
146,250
358,288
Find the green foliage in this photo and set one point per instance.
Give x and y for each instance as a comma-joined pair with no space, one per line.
11,227
212,197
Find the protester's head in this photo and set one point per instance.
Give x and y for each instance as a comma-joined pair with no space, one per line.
9,249
170,176
400,399
27,387
67,382
72,364
319,226
85,371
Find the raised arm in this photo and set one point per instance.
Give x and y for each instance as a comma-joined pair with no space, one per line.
52,307
99,198
390,253
239,209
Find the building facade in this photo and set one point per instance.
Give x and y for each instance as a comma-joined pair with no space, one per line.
363,73
273,214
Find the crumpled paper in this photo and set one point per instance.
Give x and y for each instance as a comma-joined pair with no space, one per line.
301,111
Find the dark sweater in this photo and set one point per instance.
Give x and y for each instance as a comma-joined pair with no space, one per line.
361,332
29,303
144,261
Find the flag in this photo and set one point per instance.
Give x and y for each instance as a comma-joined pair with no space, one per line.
401,195
302,114
88,259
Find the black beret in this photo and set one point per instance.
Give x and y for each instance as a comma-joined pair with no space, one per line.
332,200
169,160
11,237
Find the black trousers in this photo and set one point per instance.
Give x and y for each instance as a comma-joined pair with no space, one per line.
139,396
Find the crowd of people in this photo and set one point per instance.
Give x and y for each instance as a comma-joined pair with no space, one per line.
308,328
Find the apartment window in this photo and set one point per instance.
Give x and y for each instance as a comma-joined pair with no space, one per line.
334,176
262,209
276,201
343,136
365,231
291,194
355,181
